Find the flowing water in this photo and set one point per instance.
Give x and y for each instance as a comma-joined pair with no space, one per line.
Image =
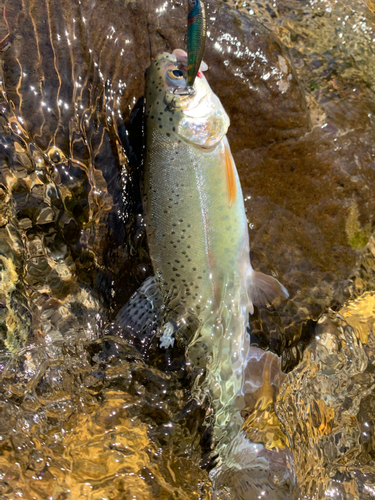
90,411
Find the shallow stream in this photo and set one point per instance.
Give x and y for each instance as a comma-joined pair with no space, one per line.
87,411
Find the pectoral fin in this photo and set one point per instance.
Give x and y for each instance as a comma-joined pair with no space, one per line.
263,289
230,174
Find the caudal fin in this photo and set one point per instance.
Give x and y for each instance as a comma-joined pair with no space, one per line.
263,289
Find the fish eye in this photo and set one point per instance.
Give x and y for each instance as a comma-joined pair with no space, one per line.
176,77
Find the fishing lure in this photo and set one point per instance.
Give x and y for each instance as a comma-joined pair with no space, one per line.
197,28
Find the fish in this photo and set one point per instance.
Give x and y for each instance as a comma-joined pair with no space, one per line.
197,233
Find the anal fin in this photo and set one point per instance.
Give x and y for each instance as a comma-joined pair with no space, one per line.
263,289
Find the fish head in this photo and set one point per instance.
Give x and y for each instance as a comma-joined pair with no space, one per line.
195,114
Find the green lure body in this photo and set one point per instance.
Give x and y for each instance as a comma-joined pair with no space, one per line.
197,28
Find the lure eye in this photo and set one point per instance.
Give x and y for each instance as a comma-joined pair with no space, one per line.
176,77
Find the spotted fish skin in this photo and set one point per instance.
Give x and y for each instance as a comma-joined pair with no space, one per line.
197,228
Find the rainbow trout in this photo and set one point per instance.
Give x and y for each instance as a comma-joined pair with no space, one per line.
198,232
